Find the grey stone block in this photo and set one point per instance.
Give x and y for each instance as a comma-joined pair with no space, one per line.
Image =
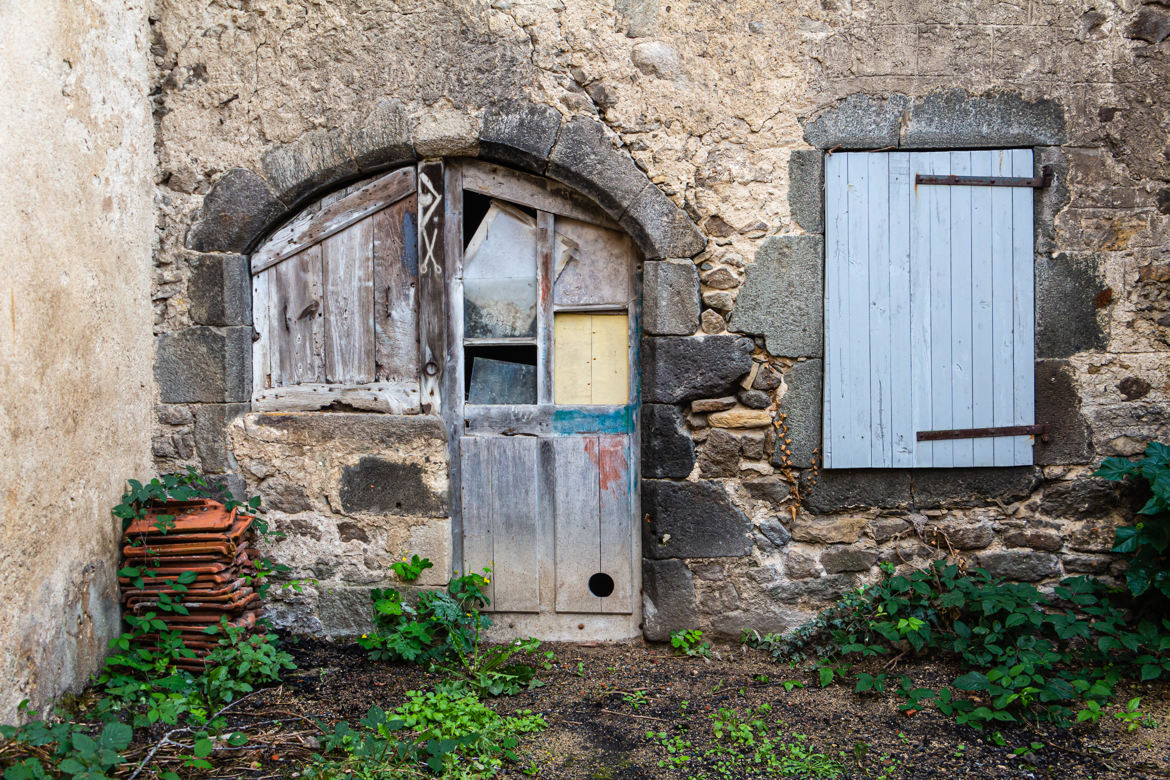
775,532
237,209
696,520
972,487
668,599
211,441
219,290
828,588
941,120
952,118
961,535
858,122
659,227
343,611
839,489
315,160
802,406
670,298
520,134
1151,25
842,559
782,298
683,369
284,495
1066,315
1034,538
1020,566
204,365
384,487
806,189
1058,403
667,448
382,139
755,399
585,158
1091,497
719,455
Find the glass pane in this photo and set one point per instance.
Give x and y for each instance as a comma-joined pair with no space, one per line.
592,264
499,275
501,375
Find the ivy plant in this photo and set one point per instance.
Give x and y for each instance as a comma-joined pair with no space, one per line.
1147,541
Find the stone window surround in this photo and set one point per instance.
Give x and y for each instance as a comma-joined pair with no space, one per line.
1066,320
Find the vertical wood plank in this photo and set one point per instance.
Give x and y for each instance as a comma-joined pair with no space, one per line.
514,532
878,273
982,333
901,388
1002,307
609,358
836,308
451,381
961,270
572,347
476,501
349,304
1023,308
920,306
545,357
298,318
546,525
435,211
616,526
577,512
260,323
940,306
396,350
857,371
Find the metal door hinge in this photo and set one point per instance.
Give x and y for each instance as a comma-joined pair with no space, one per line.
1043,180
1040,430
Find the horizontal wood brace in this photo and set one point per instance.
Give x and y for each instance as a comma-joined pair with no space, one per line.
1043,180
1040,430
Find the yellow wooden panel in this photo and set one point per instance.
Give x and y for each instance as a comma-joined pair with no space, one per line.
572,379
611,359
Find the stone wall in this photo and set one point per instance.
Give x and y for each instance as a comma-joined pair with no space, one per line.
726,108
75,330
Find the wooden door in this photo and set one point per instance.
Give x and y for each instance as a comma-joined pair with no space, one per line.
541,395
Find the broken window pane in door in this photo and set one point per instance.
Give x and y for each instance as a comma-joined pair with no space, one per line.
501,375
592,264
499,275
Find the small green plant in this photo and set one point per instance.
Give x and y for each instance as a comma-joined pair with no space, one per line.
678,750
1147,541
791,685
1132,716
40,750
690,642
430,628
409,571
635,698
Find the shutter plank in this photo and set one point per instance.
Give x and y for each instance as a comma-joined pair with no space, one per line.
940,307
349,304
260,324
577,512
902,389
836,309
1023,309
396,292
1001,308
514,531
920,309
616,529
476,496
880,369
982,331
858,421
961,366
298,319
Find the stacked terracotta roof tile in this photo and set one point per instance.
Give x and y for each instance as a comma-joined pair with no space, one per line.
205,538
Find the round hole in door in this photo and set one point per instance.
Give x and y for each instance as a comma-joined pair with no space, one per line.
601,585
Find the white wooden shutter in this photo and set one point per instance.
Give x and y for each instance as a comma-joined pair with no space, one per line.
929,314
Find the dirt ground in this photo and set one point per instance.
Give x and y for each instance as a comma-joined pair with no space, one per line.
595,731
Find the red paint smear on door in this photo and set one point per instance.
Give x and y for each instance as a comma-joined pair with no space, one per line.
610,462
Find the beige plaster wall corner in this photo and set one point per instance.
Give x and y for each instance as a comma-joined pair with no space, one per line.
76,147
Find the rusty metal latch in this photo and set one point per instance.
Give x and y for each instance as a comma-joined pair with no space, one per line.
1040,430
1043,180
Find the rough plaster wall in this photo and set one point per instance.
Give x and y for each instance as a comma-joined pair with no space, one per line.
75,347
709,97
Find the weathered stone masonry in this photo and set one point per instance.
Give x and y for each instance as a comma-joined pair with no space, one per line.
670,118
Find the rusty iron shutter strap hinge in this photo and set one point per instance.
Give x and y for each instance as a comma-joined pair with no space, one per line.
1040,430
1043,180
